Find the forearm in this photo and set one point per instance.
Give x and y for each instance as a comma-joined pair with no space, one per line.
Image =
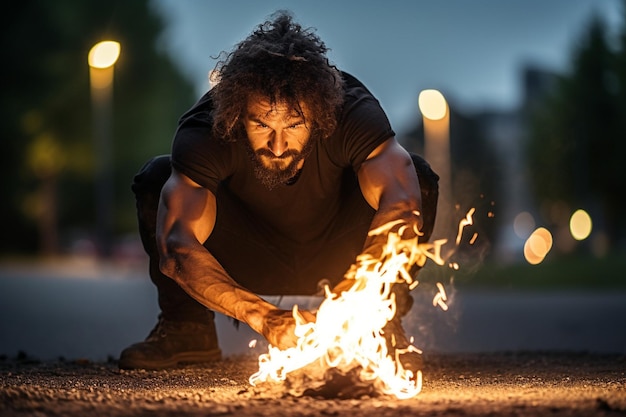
402,216
201,275
185,218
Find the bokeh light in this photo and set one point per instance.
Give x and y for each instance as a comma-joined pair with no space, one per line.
580,225
104,54
432,104
523,224
538,245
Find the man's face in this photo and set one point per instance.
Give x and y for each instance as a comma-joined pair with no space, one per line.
278,138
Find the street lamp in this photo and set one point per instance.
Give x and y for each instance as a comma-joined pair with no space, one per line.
101,59
436,118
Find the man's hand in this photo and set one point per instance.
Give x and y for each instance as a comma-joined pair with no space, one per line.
279,327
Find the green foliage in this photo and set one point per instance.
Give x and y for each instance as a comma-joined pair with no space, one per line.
46,115
576,145
578,272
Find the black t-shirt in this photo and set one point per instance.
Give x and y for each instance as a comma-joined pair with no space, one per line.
300,211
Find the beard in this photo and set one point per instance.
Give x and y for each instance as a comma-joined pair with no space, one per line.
273,171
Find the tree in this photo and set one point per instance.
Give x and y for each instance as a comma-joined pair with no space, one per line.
47,157
576,132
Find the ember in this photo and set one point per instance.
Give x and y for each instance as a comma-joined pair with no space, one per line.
346,346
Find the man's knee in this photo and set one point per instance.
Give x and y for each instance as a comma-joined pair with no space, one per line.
429,185
152,175
147,186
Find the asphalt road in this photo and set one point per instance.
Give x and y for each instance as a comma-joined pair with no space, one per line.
78,310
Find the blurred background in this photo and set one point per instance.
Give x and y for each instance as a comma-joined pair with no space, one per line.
519,105
535,94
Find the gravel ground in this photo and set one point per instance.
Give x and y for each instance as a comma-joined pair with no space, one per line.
499,384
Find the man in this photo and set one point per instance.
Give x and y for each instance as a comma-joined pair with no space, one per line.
275,178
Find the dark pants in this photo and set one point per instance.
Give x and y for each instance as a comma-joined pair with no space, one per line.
265,267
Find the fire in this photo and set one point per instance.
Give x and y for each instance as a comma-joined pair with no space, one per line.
440,298
348,332
467,221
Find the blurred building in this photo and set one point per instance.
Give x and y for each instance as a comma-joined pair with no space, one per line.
489,169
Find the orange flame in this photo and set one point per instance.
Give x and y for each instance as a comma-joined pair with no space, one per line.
347,333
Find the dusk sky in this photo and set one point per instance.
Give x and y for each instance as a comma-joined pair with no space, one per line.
471,50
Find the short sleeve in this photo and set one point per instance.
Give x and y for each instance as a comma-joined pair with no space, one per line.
195,152
363,126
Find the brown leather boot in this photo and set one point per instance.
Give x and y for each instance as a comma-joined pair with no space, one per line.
172,344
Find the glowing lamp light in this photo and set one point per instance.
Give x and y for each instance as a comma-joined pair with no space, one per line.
436,118
104,54
101,59
580,225
432,104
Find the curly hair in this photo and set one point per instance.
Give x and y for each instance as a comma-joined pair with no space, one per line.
284,63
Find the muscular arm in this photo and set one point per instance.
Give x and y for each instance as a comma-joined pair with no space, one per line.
186,218
390,185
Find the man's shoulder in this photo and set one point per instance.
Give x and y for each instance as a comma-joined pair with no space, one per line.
353,85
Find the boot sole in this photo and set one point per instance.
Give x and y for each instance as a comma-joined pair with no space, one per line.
174,361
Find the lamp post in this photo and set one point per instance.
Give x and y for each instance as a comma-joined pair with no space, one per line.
436,118
101,59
